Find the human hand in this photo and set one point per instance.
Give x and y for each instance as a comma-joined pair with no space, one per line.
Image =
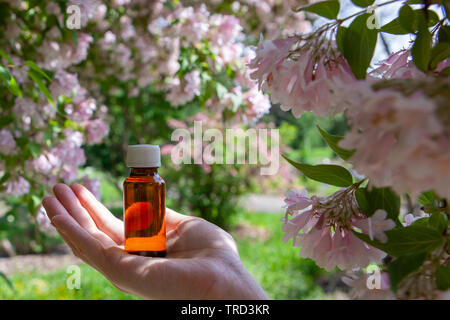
202,259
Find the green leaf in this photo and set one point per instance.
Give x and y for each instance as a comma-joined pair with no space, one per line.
325,173
340,35
444,34
363,3
421,49
423,221
406,18
403,266
429,202
440,52
370,200
35,67
429,20
10,82
394,27
427,198
35,149
412,239
359,45
5,177
333,141
409,20
6,120
443,277
407,240
36,77
6,57
438,221
326,9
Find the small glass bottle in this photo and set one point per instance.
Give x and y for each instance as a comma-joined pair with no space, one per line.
144,194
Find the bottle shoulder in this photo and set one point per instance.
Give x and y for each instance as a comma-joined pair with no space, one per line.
153,179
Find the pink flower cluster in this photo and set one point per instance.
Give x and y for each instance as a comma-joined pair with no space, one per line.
61,150
268,17
399,140
400,137
142,49
323,227
299,81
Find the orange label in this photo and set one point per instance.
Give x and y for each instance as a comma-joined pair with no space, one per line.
139,216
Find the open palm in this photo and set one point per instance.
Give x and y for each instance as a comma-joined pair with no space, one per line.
202,260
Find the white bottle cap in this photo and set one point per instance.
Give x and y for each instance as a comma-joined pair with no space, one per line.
143,156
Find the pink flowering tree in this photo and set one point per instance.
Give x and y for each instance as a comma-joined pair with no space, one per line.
398,144
78,87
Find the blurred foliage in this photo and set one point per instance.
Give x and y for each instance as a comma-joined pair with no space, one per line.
304,142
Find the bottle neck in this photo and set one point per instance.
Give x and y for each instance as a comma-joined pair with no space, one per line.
141,172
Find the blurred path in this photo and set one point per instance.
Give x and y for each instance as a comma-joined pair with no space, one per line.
36,262
263,203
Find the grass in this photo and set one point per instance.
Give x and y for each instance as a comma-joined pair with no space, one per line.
276,266
52,286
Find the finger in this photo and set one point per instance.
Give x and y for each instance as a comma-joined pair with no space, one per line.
73,206
75,250
54,208
86,247
114,263
102,217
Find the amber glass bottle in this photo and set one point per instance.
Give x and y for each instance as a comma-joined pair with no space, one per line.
144,202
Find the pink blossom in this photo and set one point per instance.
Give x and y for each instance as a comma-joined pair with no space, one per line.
17,186
182,93
68,173
297,200
174,124
269,55
67,84
93,185
84,110
397,65
41,164
127,27
227,29
73,138
193,82
443,64
399,141
375,225
96,130
257,104
306,83
7,143
59,55
82,48
194,22
167,149
325,231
